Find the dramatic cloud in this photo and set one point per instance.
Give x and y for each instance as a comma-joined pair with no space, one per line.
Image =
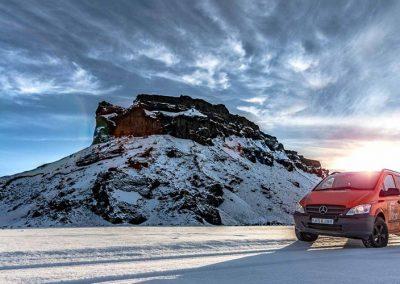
322,73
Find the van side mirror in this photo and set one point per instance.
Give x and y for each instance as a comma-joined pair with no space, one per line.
390,192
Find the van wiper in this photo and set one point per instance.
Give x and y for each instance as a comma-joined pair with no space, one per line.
342,187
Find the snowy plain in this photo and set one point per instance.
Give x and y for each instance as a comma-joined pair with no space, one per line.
189,255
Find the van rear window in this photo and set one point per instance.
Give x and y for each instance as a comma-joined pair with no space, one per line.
352,180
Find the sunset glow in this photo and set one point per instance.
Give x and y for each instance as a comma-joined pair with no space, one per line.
370,156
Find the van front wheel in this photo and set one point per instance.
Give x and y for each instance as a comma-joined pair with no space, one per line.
380,235
305,237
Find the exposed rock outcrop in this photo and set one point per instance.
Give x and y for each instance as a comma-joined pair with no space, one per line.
181,117
194,119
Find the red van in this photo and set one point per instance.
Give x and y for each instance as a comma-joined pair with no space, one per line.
359,205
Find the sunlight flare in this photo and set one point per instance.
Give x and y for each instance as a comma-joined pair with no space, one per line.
370,156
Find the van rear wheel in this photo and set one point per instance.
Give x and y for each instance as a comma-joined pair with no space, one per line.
380,235
305,237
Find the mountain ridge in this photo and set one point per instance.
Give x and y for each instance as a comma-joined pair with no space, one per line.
156,114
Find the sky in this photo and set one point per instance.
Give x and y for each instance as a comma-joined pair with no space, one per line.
322,76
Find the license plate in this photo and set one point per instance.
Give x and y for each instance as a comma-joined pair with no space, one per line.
322,221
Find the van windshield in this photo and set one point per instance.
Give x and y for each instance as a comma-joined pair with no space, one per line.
352,180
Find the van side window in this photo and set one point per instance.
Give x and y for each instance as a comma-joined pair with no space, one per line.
397,179
388,183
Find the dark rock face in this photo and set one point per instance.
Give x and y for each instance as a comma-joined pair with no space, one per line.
98,156
154,114
255,155
287,164
107,207
307,165
104,124
136,123
201,204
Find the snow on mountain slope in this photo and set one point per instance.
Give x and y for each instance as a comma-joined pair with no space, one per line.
162,179
157,180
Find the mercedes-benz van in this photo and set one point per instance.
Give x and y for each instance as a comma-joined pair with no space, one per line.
360,205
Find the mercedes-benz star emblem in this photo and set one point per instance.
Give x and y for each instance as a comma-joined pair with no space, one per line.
323,209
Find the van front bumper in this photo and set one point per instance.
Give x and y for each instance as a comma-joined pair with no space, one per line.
357,226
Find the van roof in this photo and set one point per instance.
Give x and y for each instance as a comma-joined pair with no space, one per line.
353,172
391,171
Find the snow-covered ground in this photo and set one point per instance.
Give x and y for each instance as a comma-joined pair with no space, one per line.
189,255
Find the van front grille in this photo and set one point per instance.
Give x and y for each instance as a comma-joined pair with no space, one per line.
333,210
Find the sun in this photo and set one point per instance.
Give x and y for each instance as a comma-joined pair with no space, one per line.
370,156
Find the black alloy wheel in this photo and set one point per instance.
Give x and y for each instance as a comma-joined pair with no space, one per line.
380,235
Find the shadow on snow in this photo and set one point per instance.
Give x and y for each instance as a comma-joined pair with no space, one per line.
298,262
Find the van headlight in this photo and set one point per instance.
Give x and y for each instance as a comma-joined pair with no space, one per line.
359,209
299,208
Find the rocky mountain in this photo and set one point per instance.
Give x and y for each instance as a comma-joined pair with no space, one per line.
164,161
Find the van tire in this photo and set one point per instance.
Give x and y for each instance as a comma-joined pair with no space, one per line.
380,235
305,237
